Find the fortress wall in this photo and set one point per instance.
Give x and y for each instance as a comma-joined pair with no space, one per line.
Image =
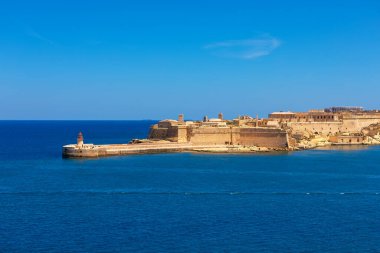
210,136
261,137
271,138
157,133
163,133
320,127
356,124
182,134
361,115
352,124
172,133
235,138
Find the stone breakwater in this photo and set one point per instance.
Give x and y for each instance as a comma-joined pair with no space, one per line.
93,151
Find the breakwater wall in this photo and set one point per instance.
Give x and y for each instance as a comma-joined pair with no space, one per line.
93,151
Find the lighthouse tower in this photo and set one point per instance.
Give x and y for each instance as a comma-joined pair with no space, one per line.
80,140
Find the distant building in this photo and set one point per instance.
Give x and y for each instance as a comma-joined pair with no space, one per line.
347,139
216,131
310,116
344,109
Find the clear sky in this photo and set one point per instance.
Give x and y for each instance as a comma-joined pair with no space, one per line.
155,59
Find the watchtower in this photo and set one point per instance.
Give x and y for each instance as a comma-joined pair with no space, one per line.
181,118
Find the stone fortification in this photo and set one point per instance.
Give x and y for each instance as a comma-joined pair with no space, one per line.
262,137
281,131
347,122
219,132
337,125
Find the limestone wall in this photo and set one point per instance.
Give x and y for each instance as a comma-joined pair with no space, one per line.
182,133
245,136
157,133
163,133
348,124
263,137
172,133
326,128
356,124
210,135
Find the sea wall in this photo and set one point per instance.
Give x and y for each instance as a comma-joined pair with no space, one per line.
73,151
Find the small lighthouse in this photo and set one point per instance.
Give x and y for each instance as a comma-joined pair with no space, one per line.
80,140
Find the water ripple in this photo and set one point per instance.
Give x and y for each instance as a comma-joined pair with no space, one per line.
93,192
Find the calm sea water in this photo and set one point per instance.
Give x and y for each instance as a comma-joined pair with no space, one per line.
311,201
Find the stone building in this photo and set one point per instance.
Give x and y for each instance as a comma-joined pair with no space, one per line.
330,121
347,139
338,109
280,129
311,116
217,132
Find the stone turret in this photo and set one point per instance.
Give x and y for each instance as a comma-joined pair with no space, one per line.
205,118
220,116
181,118
80,140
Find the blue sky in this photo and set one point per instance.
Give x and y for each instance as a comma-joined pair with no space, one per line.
155,59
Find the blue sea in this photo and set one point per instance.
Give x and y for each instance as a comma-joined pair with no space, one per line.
321,200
